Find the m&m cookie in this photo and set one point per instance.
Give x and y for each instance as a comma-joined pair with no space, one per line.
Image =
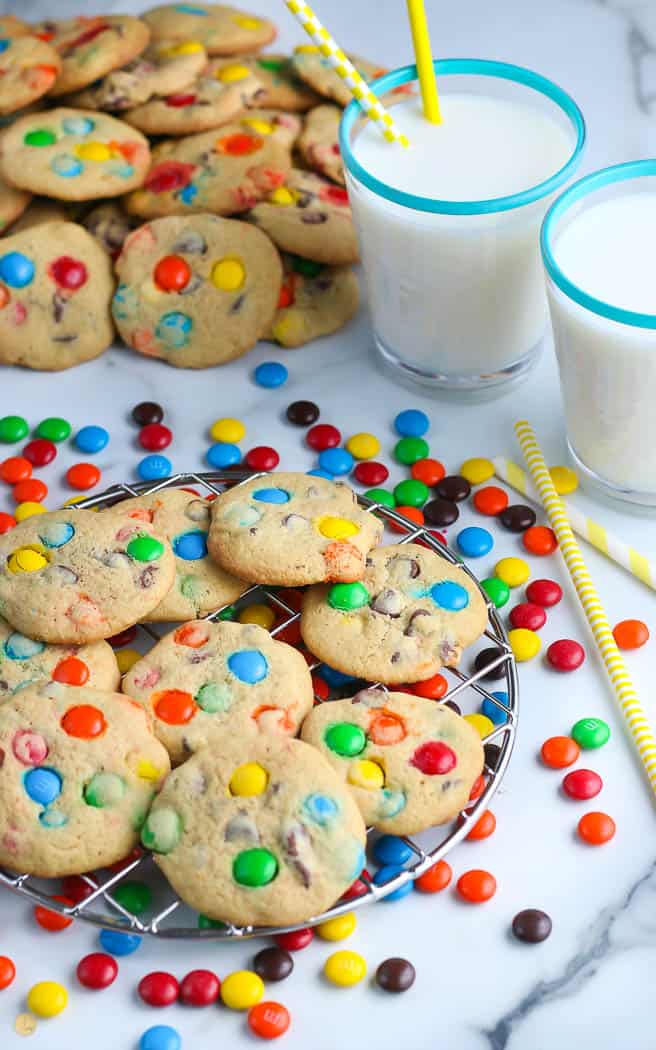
28,68
80,767
73,154
110,224
317,71
13,203
39,211
56,285
319,143
205,683
409,763
410,614
24,661
222,30
91,47
196,291
292,529
314,300
280,88
74,576
263,832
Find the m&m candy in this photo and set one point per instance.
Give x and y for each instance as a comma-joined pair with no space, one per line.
476,886
32,490
270,374
322,436
558,752
15,469
199,988
370,473
154,437
391,849
428,470
91,439
337,929
435,879
47,998
50,920
544,592
409,449
477,470
540,540
630,634
151,468
363,446
596,828
40,452
524,643
395,975
83,476
54,429
412,422
13,429
227,430
590,733
295,940
7,971
117,943
582,784
484,826
262,458
531,926
97,970
147,412
242,989
474,542
513,571
336,461
158,988
454,488
223,454
345,968
565,655
268,1020
497,591
160,1037
528,615
490,500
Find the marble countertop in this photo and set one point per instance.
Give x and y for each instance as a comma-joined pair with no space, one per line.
476,989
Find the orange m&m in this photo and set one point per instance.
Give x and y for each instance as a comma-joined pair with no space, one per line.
32,490
490,500
386,728
430,471
172,273
431,688
71,671
558,752
630,634
476,886
596,828
238,144
415,515
436,878
83,475
14,469
540,539
52,920
84,721
7,971
195,635
174,706
484,826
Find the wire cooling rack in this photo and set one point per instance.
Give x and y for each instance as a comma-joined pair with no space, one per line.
167,916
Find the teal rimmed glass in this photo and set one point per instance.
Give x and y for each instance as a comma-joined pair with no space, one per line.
466,67
577,193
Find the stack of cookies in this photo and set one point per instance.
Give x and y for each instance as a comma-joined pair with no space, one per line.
253,825
164,178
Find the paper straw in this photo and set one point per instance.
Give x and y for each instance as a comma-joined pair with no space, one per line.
595,534
370,103
615,667
424,60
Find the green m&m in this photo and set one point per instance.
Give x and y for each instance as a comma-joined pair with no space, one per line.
104,789
497,591
162,830
346,739
590,733
54,429
382,496
409,449
134,896
12,429
145,548
411,493
40,137
205,923
254,867
347,597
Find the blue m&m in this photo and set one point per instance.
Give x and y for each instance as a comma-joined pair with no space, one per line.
153,467
222,455
272,496
390,849
66,166
190,546
321,808
270,374
4,44
248,665
474,542
16,269
79,126
335,679
390,871
57,534
43,785
117,943
173,329
91,439
411,423
492,711
18,647
161,1036
449,595
336,461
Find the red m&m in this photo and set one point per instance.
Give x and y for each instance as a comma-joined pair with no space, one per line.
544,592
528,615
40,452
565,655
294,941
158,988
97,970
154,437
323,436
582,784
262,458
371,473
69,273
200,988
171,274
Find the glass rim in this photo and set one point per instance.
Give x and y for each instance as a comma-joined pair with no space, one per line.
467,67
586,186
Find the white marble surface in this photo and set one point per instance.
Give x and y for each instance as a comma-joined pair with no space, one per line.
476,989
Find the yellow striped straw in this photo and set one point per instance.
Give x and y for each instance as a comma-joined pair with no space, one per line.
370,103
424,61
599,537
615,667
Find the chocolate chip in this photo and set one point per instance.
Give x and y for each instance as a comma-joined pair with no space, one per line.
492,753
273,964
517,518
486,657
441,512
531,925
314,218
388,603
453,487
147,412
395,975
190,243
58,306
453,705
302,413
237,305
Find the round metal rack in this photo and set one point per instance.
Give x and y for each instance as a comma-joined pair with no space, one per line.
167,916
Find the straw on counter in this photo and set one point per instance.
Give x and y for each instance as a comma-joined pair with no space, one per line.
370,103
424,61
599,537
615,667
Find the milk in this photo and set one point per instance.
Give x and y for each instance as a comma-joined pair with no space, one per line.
607,368
458,299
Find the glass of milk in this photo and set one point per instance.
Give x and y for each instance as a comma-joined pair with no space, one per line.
449,227
598,246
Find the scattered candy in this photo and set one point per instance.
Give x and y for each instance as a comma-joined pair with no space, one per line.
76,888
484,826
117,943
497,591
411,493
382,496
476,886
434,879
160,1037
388,872
336,461
337,929
323,436
395,975
591,733
13,429
596,828
528,615
540,540
40,452
270,374
262,458
488,656
199,988
630,634
47,998
15,469
273,964
345,968
453,487
91,439
151,468
582,784
7,522
97,970
147,412
544,592
481,723
241,990
390,849
370,472
158,988
262,615
296,940
54,429
126,659
490,500
409,449
414,514
496,714
363,446
513,571
558,752
134,896
50,920
32,490
477,470
155,437
83,476
564,480
302,413
525,644
28,510
518,517
431,688
531,926
430,471
412,422
474,542
227,430
223,455
441,512
7,969
268,1020
565,655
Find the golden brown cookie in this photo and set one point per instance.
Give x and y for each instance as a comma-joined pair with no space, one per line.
315,300
24,661
317,71
40,211
28,69
13,203
92,47
280,88
319,143
221,30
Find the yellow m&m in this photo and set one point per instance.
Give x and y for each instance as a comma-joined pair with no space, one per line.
228,275
363,446
366,774
337,929
263,127
337,528
481,723
231,74
27,559
186,47
47,998
242,989
477,470
345,968
93,151
249,779
127,658
28,509
262,615
281,196
228,430
525,644
513,571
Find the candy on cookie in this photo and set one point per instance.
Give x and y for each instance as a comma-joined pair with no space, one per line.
110,224
280,88
28,69
262,832
409,763
315,300
410,613
319,142
221,30
317,71
89,48
205,683
292,529
24,661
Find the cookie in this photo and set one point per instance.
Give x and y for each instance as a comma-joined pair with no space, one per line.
28,68
73,576
280,88
225,171
39,211
208,683
315,300
110,225
316,70
262,833
291,529
309,216
73,155
409,763
163,68
196,292
24,661
12,26
411,614
213,99
80,767
13,203
319,142
201,586
92,47
56,285
221,30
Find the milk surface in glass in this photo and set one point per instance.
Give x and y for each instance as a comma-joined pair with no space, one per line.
458,298
608,368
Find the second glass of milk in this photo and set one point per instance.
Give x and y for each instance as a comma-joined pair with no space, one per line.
449,227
